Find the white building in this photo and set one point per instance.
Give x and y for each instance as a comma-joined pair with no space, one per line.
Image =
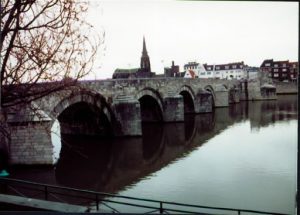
220,71
198,70
189,74
252,72
191,70
228,71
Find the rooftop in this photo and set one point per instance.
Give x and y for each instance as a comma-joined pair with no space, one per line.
133,70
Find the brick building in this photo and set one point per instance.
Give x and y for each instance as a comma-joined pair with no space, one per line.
280,70
172,71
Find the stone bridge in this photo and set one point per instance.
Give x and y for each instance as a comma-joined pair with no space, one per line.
116,108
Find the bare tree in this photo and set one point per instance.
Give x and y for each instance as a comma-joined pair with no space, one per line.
42,41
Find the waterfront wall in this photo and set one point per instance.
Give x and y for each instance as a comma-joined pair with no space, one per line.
286,88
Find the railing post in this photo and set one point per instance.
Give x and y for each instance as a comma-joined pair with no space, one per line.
46,193
97,202
161,210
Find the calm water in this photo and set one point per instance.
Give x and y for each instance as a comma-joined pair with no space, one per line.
244,156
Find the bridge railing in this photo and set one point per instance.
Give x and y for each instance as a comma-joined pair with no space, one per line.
109,202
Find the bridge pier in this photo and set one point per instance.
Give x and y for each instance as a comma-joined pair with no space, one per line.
173,109
203,102
221,96
244,91
31,143
128,113
234,95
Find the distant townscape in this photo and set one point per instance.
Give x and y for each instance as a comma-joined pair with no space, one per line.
278,71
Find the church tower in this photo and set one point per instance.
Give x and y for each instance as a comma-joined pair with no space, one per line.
145,61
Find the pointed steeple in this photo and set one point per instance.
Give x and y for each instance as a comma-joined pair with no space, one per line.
145,61
144,47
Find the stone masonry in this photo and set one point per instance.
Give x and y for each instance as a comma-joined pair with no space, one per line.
118,103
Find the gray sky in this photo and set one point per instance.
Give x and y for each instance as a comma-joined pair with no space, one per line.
205,31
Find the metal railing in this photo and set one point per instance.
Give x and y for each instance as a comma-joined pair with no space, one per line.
94,200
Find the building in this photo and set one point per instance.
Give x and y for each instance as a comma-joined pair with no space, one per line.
227,71
253,72
172,71
294,71
125,73
196,70
191,66
190,70
219,71
190,74
280,70
143,72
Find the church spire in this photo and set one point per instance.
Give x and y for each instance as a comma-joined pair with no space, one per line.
145,61
144,47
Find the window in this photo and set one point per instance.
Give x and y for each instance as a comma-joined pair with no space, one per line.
284,65
209,73
202,73
208,68
217,73
267,64
217,67
275,74
275,70
275,65
283,70
231,71
226,67
241,66
234,66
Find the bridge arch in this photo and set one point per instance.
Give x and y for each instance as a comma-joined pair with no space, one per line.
188,98
151,105
84,112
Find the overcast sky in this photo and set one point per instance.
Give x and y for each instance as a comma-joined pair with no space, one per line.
212,32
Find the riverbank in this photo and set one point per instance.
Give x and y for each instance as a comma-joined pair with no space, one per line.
286,88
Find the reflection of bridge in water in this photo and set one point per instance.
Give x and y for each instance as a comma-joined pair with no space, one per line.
112,165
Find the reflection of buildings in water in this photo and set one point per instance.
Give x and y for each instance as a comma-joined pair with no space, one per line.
264,113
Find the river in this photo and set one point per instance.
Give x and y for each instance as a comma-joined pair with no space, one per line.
243,156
